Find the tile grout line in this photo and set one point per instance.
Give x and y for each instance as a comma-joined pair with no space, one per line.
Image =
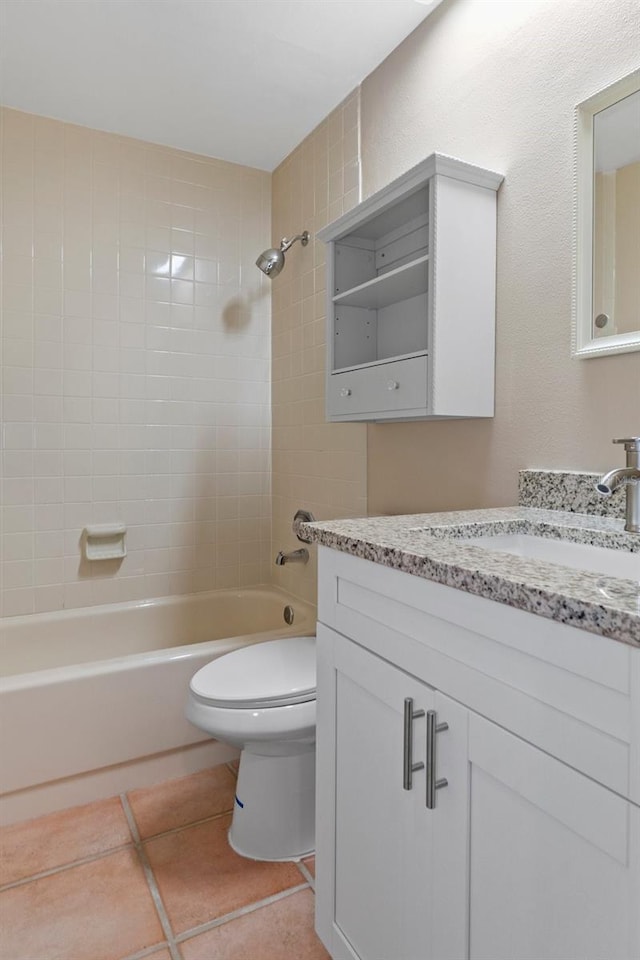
306,873
151,880
185,826
240,912
148,952
67,866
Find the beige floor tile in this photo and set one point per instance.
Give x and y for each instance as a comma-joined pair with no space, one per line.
96,911
310,864
59,838
280,931
177,803
201,878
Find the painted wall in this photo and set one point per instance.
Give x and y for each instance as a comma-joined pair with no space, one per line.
496,84
318,465
135,367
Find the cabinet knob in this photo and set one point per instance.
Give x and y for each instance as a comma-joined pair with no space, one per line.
345,392
392,385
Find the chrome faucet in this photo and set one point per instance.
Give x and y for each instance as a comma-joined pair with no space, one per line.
628,476
296,556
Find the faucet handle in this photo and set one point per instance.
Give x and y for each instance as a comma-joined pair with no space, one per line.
631,443
302,516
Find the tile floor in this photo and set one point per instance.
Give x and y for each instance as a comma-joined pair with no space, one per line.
150,874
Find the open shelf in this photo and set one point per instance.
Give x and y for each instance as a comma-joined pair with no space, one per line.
378,363
395,351
403,283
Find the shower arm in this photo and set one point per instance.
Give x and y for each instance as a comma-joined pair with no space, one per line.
302,237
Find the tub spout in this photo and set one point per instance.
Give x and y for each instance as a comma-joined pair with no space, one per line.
295,556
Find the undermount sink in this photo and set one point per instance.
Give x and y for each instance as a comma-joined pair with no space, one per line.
580,556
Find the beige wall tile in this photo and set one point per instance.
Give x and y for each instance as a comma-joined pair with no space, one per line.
122,360
317,465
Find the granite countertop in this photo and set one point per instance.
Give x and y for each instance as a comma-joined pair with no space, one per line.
427,545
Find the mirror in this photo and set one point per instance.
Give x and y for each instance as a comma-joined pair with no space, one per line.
607,254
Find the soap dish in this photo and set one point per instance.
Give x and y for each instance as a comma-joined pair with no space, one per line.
105,541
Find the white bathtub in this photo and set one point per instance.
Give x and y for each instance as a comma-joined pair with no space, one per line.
92,700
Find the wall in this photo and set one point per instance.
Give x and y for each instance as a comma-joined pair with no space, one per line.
496,84
136,367
317,465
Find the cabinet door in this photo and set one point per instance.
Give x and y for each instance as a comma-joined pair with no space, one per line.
553,857
376,839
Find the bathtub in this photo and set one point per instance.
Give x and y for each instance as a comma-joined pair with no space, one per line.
92,700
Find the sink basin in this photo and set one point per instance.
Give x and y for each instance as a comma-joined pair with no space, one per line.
580,556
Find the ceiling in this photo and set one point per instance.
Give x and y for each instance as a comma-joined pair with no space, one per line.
242,80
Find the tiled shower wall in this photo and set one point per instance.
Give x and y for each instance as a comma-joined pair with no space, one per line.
135,367
318,465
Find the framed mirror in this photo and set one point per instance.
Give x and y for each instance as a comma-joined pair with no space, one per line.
606,306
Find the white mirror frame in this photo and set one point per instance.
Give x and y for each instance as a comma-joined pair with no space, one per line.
584,345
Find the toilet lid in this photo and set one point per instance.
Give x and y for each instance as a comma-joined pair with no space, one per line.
274,673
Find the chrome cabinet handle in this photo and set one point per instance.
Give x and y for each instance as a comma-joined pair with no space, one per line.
345,392
392,385
433,783
408,766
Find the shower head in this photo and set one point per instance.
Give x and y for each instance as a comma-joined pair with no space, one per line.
271,261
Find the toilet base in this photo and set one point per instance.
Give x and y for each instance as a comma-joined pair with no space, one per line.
274,812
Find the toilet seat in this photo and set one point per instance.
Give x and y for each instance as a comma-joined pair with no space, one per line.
277,673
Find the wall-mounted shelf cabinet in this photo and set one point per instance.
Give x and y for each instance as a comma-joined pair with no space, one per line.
411,297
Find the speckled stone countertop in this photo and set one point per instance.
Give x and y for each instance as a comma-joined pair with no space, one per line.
427,545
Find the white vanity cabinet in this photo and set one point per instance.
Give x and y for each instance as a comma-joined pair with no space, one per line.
411,297
531,850
387,897
553,856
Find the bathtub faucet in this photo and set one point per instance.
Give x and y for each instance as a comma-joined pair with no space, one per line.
296,556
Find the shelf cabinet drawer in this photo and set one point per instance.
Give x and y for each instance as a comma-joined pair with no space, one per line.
381,390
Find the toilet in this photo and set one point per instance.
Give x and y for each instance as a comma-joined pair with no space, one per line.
262,698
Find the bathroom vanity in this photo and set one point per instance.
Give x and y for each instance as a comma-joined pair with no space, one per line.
478,739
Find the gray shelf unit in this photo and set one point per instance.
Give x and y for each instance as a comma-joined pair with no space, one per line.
395,349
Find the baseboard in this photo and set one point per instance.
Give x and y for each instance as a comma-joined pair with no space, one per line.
109,781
